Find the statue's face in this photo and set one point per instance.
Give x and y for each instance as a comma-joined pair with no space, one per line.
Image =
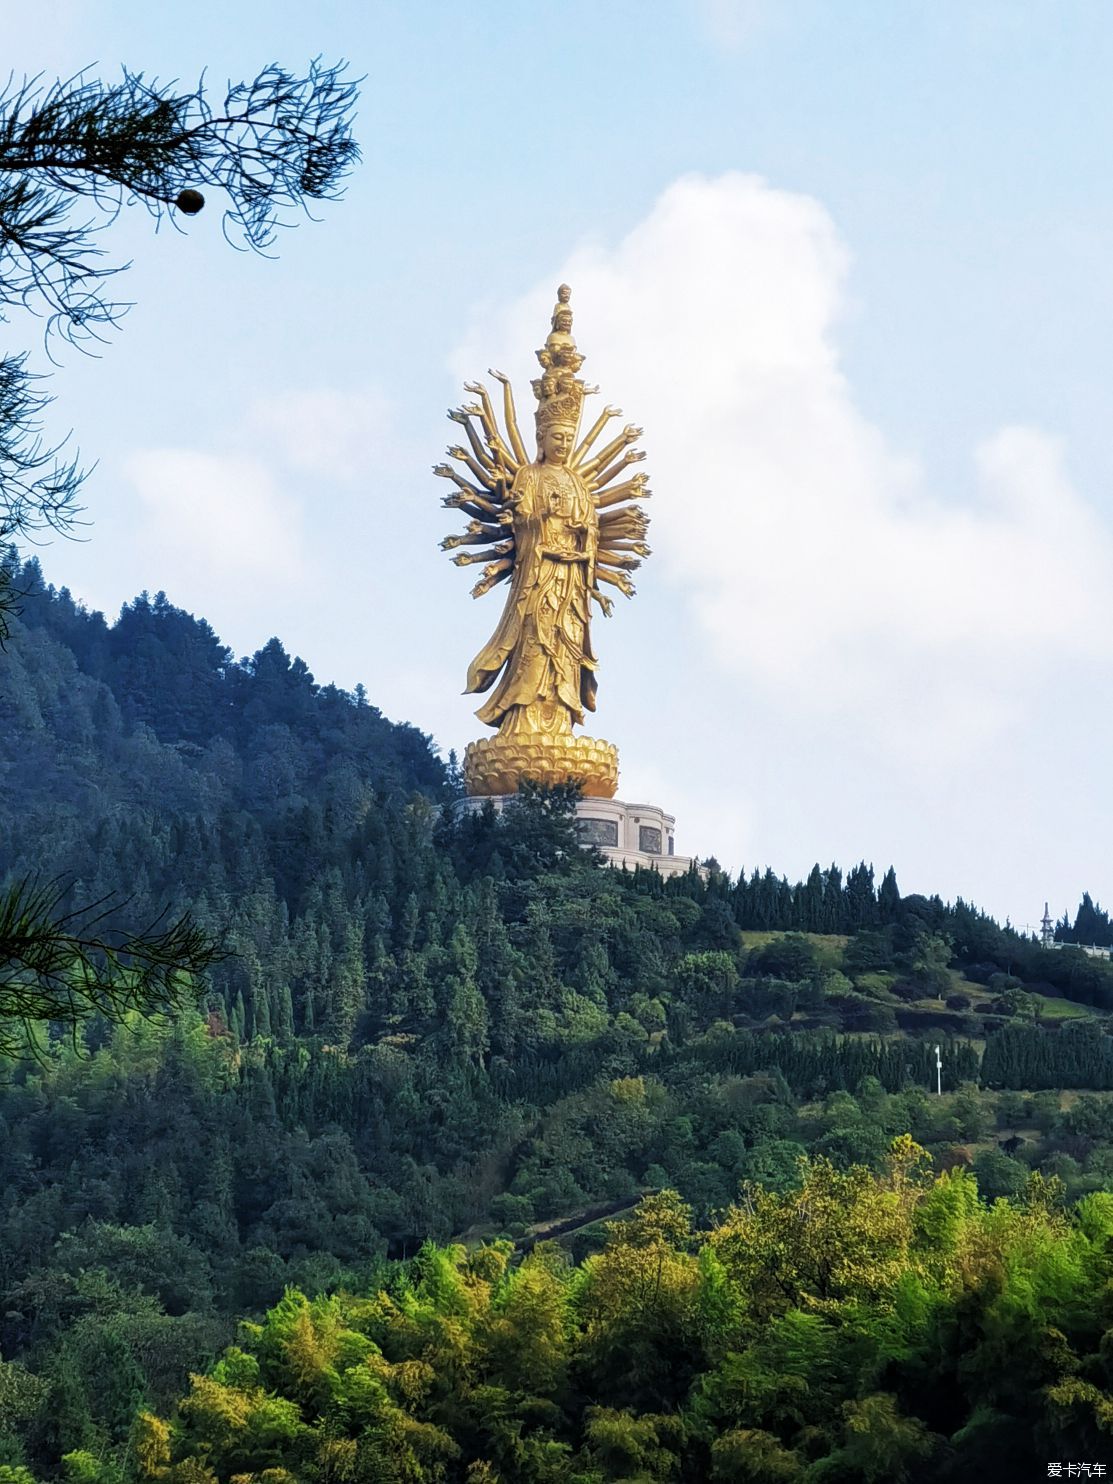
557,443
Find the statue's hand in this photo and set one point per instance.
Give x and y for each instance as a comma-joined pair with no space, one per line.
505,517
498,375
475,387
612,412
631,433
604,603
457,452
640,479
473,409
443,471
637,455
458,414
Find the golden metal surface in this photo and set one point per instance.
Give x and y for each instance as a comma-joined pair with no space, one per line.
496,765
556,532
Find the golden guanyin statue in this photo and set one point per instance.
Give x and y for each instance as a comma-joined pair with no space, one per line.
555,528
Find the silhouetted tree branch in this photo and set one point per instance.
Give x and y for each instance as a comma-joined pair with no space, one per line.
69,967
72,155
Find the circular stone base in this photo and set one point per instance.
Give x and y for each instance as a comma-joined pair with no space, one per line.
496,765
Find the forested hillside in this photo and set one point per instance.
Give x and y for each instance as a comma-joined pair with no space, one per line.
864,1329
429,1029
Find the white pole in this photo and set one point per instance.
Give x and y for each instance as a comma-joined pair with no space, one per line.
938,1073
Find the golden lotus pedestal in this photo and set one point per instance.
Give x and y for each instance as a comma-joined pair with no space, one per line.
497,765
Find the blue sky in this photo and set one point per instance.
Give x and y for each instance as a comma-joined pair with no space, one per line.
850,267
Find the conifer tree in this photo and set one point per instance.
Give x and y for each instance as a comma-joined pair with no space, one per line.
888,898
72,155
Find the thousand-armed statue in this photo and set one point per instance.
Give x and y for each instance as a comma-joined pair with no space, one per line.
557,529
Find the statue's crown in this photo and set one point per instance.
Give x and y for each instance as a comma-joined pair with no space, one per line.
559,393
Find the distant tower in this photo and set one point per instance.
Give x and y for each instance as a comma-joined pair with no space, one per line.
1047,930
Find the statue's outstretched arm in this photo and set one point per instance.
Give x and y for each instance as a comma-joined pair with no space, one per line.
469,558
630,489
446,471
463,417
471,507
511,417
625,515
495,573
633,529
472,503
628,525
477,534
631,456
486,411
616,579
505,461
475,502
484,476
608,557
630,434
600,423
625,544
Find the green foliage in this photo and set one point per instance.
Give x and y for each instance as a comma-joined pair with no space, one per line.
998,1174
73,155
68,968
705,983
791,957
435,1026
753,1351
80,1467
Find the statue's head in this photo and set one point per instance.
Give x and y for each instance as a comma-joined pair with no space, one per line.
559,393
556,442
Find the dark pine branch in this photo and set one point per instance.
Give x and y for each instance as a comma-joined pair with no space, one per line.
70,967
73,154
273,146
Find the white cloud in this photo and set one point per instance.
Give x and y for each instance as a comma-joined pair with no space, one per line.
325,432
239,515
730,23
822,565
212,519
290,524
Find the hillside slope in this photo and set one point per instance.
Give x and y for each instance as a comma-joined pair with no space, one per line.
427,1027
